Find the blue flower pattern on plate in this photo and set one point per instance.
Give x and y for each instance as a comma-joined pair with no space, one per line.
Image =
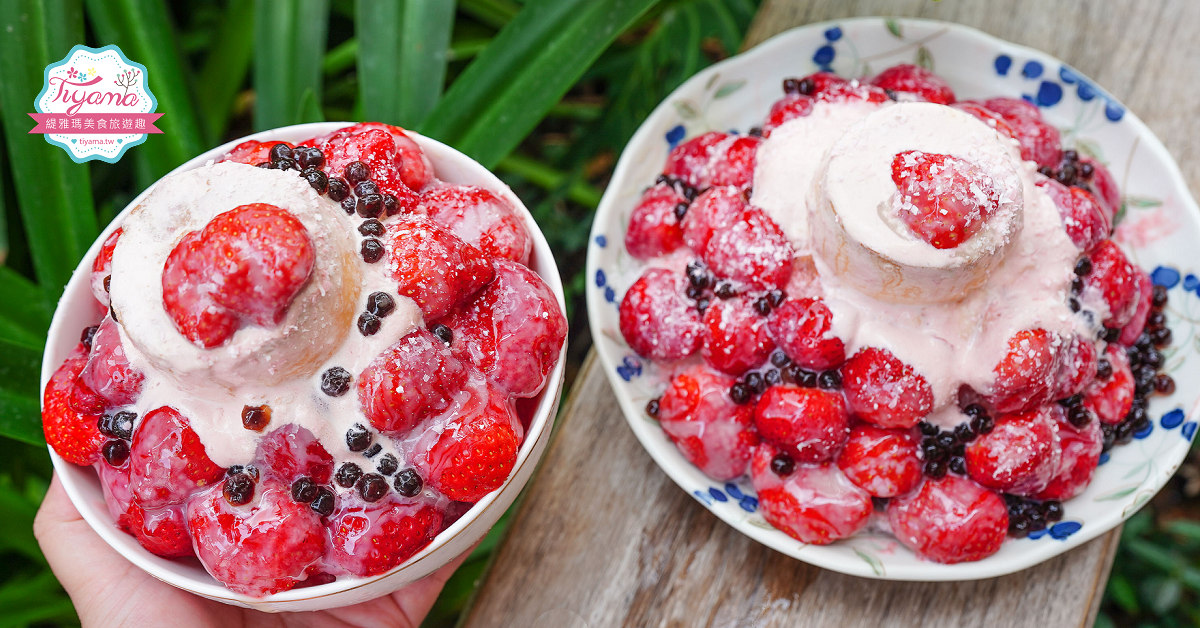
629,368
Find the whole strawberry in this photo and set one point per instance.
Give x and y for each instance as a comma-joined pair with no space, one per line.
809,424
735,336
1040,142
162,531
654,227
293,451
709,429
102,268
1081,447
803,328
943,199
1111,398
882,462
167,460
433,267
812,503
409,382
656,318
477,450
371,539
914,79
751,251
950,520
1024,377
108,372
1020,455
481,219
74,435
883,390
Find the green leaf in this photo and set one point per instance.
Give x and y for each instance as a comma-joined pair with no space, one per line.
16,526
494,13
401,77
24,310
893,27
289,47
1189,530
1155,555
145,34
728,89
1123,593
53,193
502,95
1142,202
225,67
876,565
20,416
35,599
546,177
924,59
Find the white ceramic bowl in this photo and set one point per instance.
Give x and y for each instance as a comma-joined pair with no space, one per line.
76,308
1160,229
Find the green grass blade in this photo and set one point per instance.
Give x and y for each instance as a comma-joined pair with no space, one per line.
289,52
226,67
533,61
20,414
145,34
24,310
53,193
400,78
495,13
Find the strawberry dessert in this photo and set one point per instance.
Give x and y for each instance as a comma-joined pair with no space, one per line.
307,360
894,311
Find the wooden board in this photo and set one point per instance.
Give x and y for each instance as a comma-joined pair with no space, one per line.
603,538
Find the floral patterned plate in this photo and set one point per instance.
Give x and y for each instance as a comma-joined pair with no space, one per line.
1159,224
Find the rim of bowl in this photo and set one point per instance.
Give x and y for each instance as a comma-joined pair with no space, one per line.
60,341
608,205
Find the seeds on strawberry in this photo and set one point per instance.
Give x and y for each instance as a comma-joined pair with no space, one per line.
292,451
369,540
480,218
944,200
950,520
478,450
883,390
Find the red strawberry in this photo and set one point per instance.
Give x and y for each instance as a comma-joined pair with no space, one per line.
292,451
815,83
71,433
950,520
481,218
787,108
1025,375
809,424
1115,280
400,161
1103,187
409,382
1076,368
1112,399
945,200
1020,455
988,117
883,390
707,427
108,373
167,460
1084,219
265,547
753,251
803,329
245,267
733,161
513,331
914,79
102,267
714,210
714,159
162,531
1040,142
829,87
657,319
1081,447
433,266
653,228
252,152
690,160
477,450
372,539
1133,329
735,336
815,503
882,462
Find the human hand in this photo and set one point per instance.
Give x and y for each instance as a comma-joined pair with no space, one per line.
108,590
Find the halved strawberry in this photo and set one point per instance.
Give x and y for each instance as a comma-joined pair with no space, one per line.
812,503
803,329
1020,455
735,336
245,267
944,199
882,462
656,318
481,218
883,390
914,79
433,266
167,460
809,424
653,227
709,429
409,382
73,434
373,538
950,520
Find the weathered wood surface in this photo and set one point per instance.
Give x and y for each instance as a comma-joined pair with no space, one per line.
604,538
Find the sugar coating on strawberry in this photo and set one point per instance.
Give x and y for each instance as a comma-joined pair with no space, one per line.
1114,279
656,318
1076,367
1085,221
396,164
950,520
162,531
988,117
944,200
481,218
654,228
914,79
752,251
714,210
252,152
1112,399
513,331
73,434
434,267
1104,187
885,391
1020,455
803,328
1040,142
409,382
244,268
707,427
809,424
167,460
880,461
1081,448
1024,377
1137,323
102,267
414,167
108,372
789,107
477,450
735,336
734,160
264,547
815,503
829,87
371,539
714,159
291,452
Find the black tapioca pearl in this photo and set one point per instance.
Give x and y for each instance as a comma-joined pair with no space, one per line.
1164,384
238,489
348,474
772,377
89,333
782,465
363,188
1111,334
1161,337
309,157
927,428
1103,369
829,380
740,393
963,432
373,450
324,502
779,358
958,464
702,305
1073,304
372,487
697,275
408,483
808,379
358,437
724,289
368,324
755,131
355,172
121,425
791,86
1083,266
945,439
935,469
371,227
369,206
443,333
255,418
693,292
304,490
762,306
348,205
317,179
391,205
116,452
653,406
1079,416
680,211
1076,285
280,151
756,382
387,464
1158,297
776,297
335,381
380,304
337,189
371,250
